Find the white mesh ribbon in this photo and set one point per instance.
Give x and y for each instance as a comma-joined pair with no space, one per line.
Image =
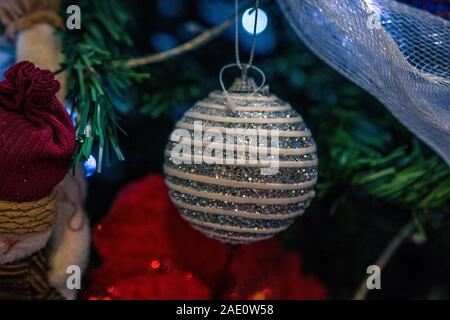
398,53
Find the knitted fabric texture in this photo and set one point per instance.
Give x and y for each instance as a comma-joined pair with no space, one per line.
24,218
27,279
37,137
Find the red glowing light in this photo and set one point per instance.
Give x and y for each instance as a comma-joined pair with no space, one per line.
155,264
267,292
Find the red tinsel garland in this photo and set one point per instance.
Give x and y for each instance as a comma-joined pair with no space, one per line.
150,252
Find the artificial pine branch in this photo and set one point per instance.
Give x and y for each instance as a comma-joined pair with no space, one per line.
96,69
386,256
191,45
359,155
188,46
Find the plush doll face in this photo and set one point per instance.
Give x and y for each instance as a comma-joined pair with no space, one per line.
13,248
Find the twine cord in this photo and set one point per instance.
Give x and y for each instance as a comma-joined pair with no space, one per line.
230,103
244,67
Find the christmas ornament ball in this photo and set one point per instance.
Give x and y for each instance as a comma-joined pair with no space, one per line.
241,164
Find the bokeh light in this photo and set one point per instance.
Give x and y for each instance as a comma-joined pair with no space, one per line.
162,41
248,20
90,165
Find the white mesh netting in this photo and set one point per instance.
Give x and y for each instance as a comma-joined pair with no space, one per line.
398,53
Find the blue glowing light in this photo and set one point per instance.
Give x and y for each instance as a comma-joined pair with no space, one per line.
90,165
7,56
248,20
72,113
162,41
189,29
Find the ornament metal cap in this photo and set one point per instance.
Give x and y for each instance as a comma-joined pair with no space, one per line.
248,86
243,85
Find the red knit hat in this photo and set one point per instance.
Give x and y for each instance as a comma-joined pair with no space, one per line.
37,137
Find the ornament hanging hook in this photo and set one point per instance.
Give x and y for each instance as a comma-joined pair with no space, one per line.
244,67
230,103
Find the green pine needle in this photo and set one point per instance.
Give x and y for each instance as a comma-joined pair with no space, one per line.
94,63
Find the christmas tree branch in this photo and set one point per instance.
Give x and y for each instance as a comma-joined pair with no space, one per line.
97,74
386,255
191,45
188,46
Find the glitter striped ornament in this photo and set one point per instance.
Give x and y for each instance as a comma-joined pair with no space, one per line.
217,164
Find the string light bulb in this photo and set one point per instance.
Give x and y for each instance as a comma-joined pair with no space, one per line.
90,165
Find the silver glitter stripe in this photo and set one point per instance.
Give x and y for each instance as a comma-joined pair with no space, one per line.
237,96
247,148
224,233
239,184
261,209
264,132
238,173
245,114
283,143
234,229
200,116
216,106
238,192
242,127
241,214
235,221
220,197
247,163
240,152
225,238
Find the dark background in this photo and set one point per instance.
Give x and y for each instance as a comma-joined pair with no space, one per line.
337,243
